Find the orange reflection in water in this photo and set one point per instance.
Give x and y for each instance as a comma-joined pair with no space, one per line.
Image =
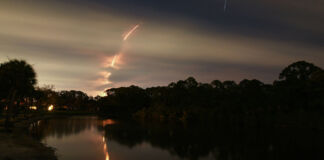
107,156
105,148
108,122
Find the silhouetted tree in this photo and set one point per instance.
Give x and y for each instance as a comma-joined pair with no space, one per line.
17,81
300,70
300,89
124,100
217,84
44,97
293,90
73,100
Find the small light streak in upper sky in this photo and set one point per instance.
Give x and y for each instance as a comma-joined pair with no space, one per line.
225,5
130,32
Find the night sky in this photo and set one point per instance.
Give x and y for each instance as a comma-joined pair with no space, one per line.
92,45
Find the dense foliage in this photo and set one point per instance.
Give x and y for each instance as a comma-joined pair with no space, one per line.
298,90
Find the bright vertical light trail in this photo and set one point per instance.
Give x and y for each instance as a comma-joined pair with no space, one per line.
114,61
130,32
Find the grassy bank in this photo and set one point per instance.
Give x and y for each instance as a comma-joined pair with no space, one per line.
16,144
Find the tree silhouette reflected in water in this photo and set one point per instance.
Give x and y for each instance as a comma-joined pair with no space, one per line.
63,126
199,141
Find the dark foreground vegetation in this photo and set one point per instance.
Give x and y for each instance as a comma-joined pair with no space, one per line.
296,98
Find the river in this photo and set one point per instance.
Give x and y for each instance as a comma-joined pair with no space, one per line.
90,138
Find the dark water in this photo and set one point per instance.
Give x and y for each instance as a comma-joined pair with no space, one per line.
88,138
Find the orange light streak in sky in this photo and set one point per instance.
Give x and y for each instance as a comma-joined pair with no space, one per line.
114,61
130,32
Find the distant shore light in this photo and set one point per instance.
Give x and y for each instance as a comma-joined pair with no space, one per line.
50,108
33,108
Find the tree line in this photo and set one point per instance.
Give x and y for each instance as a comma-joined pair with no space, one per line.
298,90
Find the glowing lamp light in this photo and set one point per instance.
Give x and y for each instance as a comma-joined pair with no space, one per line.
50,108
33,108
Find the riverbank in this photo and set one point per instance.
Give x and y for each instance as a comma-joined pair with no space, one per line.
18,145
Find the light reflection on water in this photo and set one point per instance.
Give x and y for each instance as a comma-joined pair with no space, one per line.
85,138
88,138
73,138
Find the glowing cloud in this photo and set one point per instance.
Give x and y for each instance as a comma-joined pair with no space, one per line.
104,80
130,32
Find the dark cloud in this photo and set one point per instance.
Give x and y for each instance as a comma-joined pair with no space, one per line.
289,20
72,43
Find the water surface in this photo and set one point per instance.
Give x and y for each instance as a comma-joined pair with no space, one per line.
89,138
